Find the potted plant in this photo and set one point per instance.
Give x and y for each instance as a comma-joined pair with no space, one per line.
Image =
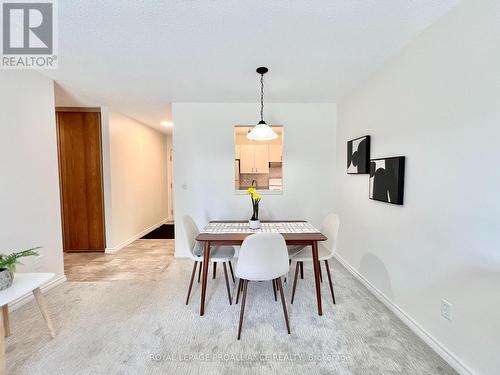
8,265
254,222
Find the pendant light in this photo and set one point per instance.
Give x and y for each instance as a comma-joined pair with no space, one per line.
262,131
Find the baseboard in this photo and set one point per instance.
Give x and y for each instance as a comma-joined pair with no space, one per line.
28,297
430,340
111,250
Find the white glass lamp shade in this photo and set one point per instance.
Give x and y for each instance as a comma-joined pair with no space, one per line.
262,132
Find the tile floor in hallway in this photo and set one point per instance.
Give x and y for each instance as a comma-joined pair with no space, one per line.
142,260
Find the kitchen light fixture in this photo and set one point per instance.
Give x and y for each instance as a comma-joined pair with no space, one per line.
262,131
167,124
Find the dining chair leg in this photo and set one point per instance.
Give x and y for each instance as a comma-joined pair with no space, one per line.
191,282
330,280
283,302
297,266
320,273
274,290
243,300
289,263
215,268
231,269
199,272
227,283
239,290
317,282
301,270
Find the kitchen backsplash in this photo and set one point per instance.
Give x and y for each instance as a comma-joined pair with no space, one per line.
262,179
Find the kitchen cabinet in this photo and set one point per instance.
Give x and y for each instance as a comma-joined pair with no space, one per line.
254,159
237,152
246,159
275,153
261,158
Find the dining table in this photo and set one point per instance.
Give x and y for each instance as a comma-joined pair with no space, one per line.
234,232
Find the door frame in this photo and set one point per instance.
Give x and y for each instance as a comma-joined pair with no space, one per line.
170,183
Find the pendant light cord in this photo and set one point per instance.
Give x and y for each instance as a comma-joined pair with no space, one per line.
262,97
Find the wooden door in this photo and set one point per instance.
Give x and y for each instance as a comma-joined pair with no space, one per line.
80,175
247,163
261,153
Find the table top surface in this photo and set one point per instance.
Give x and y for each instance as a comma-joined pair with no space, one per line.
23,284
234,231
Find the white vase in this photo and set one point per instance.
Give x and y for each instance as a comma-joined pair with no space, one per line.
254,224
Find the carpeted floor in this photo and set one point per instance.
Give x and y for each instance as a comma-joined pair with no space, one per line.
143,327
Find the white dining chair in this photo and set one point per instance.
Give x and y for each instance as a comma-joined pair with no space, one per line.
326,250
218,254
263,257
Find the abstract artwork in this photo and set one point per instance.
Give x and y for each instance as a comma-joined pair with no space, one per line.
358,155
387,179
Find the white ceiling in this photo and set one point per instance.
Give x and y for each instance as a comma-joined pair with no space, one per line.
140,56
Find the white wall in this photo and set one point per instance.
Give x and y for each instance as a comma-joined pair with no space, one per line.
135,178
204,162
29,184
438,103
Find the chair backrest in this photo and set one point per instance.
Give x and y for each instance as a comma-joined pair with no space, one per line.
190,232
263,256
330,228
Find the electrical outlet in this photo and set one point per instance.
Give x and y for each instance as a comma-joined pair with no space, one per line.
446,309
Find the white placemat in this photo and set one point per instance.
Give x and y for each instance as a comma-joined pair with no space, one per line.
278,227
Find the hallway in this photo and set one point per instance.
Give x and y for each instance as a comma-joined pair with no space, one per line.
142,260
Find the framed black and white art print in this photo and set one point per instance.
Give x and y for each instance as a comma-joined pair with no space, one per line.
387,179
358,155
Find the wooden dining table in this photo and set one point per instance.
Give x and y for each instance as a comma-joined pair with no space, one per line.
233,233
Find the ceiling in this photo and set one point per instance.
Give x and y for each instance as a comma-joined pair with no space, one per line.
140,56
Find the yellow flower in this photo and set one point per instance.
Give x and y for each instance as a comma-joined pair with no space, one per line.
251,191
256,196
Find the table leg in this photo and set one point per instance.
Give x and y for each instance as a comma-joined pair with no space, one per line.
3,370
6,320
40,299
316,275
206,258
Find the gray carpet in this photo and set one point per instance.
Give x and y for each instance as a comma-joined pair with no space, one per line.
122,327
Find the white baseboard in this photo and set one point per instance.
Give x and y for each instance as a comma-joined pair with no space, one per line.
28,297
114,249
430,340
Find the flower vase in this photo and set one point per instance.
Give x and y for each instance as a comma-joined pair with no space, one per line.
254,224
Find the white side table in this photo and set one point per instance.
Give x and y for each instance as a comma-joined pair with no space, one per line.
23,284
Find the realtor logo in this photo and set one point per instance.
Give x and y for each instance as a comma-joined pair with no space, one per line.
28,34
